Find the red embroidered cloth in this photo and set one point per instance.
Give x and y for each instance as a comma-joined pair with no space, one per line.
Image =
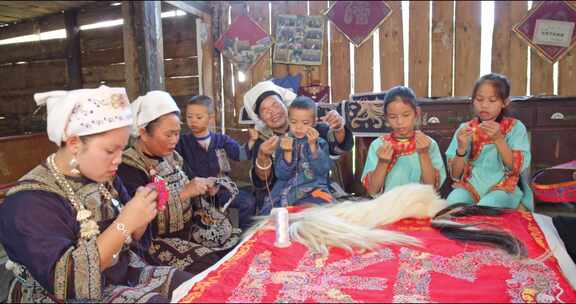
441,270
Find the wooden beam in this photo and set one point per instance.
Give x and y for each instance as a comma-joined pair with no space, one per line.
73,65
189,7
143,47
42,24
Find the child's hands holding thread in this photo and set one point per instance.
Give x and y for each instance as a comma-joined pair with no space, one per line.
385,152
492,129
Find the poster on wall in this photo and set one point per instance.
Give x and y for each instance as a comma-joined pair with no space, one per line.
358,19
549,29
244,43
299,40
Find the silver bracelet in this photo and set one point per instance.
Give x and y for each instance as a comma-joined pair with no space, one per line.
122,228
261,167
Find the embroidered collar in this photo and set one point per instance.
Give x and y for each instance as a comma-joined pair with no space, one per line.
480,138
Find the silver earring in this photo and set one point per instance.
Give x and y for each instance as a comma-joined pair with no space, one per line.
74,167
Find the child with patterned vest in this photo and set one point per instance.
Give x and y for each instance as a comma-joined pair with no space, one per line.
405,155
488,154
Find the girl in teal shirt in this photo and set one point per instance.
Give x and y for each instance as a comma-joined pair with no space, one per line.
488,154
405,155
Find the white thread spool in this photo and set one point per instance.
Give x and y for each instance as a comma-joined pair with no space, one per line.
281,224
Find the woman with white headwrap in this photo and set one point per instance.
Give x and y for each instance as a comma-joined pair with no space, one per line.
266,104
189,234
67,224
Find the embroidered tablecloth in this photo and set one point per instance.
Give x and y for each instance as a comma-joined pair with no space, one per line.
441,270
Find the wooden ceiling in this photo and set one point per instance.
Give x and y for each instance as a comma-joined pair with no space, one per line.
15,11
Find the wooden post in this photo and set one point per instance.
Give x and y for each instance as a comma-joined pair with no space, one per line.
143,47
204,26
73,49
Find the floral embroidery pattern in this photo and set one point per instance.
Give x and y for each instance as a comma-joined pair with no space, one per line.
530,280
312,279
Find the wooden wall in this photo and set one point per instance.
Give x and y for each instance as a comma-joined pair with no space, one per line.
39,66
449,68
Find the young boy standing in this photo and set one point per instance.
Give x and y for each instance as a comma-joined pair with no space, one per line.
206,154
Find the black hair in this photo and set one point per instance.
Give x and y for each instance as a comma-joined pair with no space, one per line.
444,222
202,100
151,126
405,94
261,98
303,103
501,85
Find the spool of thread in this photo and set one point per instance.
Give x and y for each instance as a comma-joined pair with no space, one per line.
281,225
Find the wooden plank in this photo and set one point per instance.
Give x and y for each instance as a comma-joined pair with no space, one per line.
100,14
183,86
180,49
190,7
279,70
320,73
181,67
17,105
114,72
228,96
299,8
19,12
31,51
391,48
340,74
143,47
567,71
364,66
340,68
174,68
567,74
259,12
102,57
73,65
541,75
35,75
363,82
509,52
468,45
419,47
179,28
442,47
102,38
42,24
32,150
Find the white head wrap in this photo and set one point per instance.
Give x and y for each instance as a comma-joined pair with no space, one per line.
252,95
84,112
151,106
